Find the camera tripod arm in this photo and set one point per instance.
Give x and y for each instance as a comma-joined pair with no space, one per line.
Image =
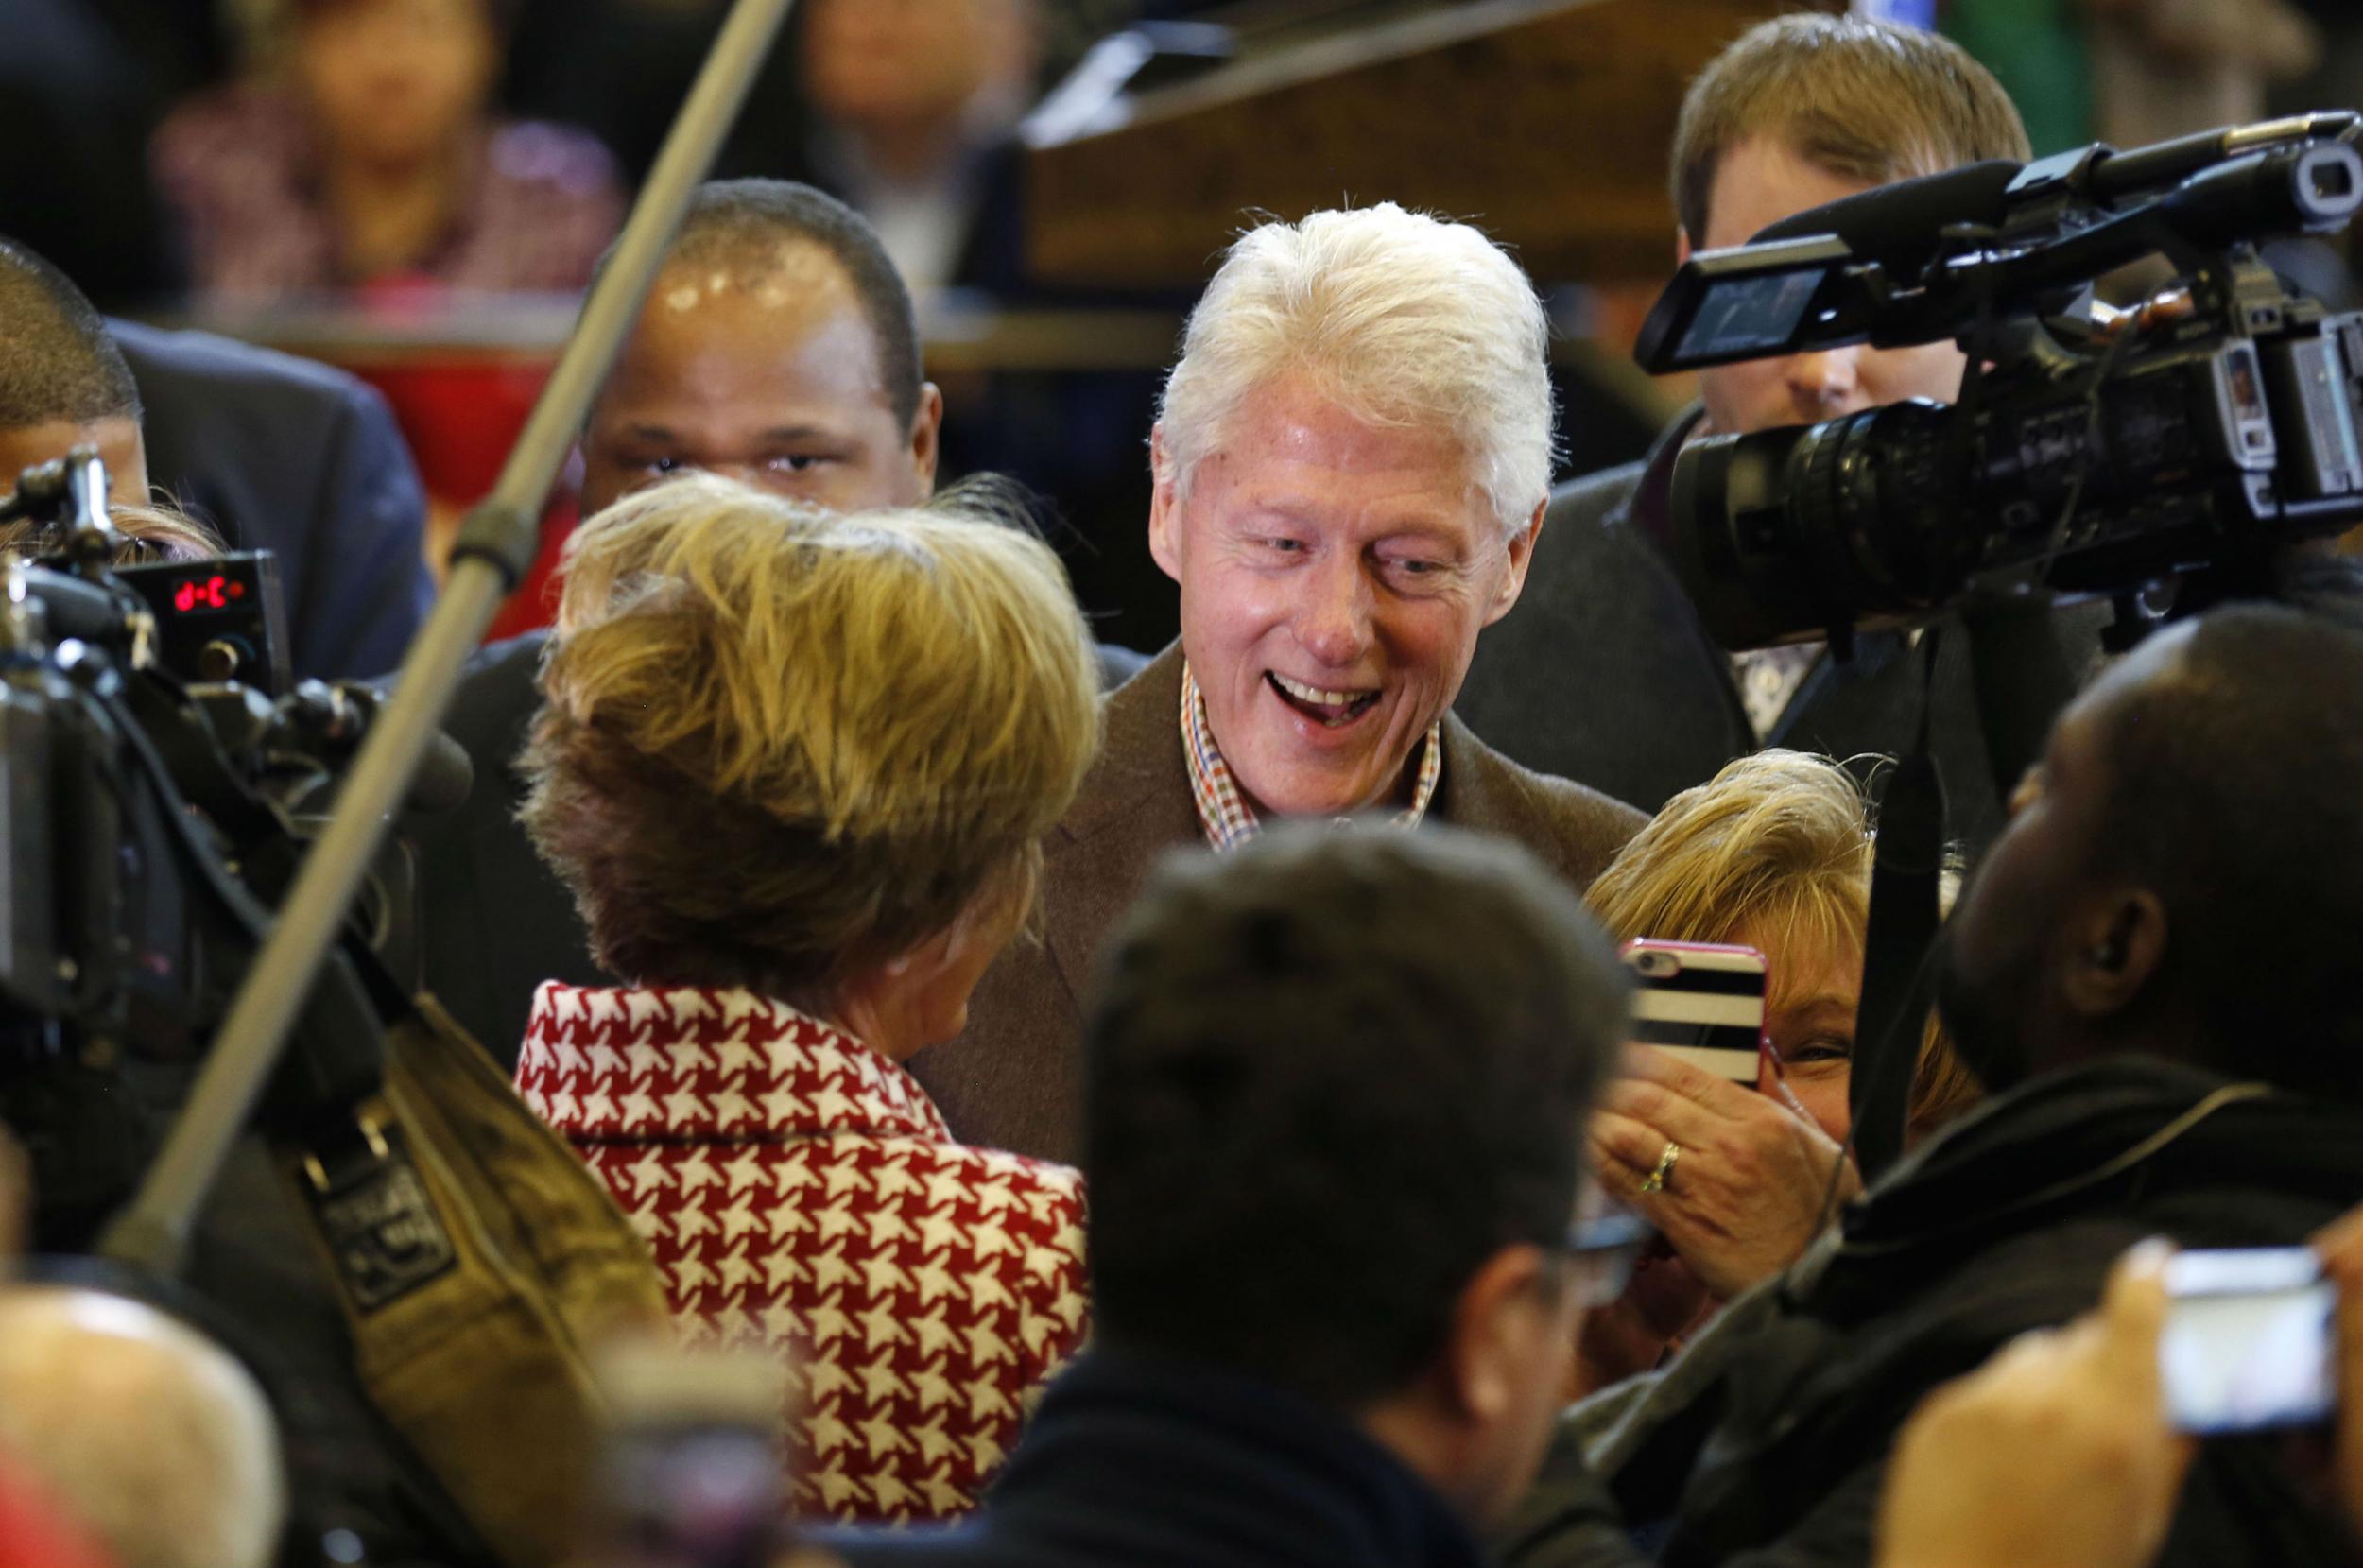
496,547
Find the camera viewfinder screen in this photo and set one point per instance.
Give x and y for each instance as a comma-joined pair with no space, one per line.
1743,314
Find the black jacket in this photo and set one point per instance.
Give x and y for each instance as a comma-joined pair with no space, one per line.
1604,674
1132,1463
1774,1455
283,455
494,921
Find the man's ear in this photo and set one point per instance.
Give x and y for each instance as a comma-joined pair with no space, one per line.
1520,560
2115,948
927,435
1165,508
1490,1354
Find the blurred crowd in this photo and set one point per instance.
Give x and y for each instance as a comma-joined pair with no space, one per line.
890,1065
233,161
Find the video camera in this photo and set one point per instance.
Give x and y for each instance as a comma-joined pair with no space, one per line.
159,779
2084,458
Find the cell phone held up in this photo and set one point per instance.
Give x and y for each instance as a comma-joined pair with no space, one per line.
1701,1003
2247,1344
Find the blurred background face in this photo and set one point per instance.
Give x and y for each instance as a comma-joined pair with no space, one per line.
1333,580
890,63
772,380
392,82
1761,181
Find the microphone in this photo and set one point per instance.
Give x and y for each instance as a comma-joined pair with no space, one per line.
1901,225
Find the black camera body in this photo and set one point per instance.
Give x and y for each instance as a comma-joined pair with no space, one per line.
153,817
2084,458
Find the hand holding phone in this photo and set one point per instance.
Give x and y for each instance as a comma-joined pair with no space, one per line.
2054,1451
1739,1182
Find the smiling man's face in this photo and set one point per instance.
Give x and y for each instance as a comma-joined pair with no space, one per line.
1333,580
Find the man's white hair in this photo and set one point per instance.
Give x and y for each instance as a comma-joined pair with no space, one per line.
1405,321
148,1434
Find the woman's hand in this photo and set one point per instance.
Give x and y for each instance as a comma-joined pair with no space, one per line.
1750,1185
1661,1303
2055,1453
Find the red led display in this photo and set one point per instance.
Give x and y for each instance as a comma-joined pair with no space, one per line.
200,594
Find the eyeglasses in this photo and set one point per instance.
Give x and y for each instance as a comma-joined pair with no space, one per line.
1605,1248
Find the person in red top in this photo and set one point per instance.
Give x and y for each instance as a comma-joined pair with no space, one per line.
795,767
373,160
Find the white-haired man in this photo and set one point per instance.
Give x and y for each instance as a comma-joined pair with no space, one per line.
1350,462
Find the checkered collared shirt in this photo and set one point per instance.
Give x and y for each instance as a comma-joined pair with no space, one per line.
1224,813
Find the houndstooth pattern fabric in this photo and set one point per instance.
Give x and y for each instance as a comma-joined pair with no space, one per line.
800,1192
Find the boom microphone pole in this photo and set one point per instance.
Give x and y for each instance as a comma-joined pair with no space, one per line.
495,548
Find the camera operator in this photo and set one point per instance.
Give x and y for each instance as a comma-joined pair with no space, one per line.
2153,969
282,455
1607,674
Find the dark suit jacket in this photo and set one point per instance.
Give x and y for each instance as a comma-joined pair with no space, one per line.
495,921
1011,1081
1603,672
283,455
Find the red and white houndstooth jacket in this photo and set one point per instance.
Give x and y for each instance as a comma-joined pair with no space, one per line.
800,1191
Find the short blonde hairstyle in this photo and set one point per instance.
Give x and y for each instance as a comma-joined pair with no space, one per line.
780,746
1405,321
1869,101
1780,840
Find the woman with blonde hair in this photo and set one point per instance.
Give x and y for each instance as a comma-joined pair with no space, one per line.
795,767
1774,853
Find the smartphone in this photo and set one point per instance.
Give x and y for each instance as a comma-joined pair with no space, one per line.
2247,1340
1699,1002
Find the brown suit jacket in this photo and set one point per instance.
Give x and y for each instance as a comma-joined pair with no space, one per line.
1012,1079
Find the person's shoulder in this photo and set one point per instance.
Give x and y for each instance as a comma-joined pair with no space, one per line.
1017,1186
1574,828
229,157
244,118
498,695
555,160
161,359
1594,498
1583,560
1140,750
1117,664
1032,1209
